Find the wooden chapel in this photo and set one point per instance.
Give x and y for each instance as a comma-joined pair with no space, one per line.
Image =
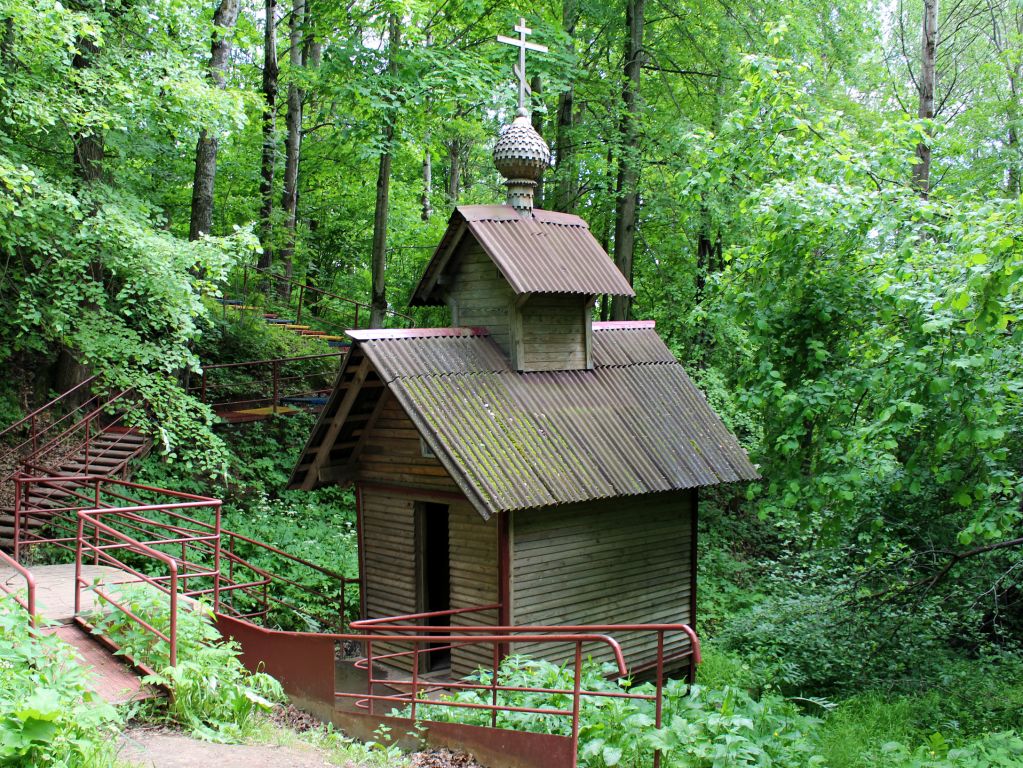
526,457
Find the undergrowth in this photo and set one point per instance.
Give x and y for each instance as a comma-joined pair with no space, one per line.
48,714
212,695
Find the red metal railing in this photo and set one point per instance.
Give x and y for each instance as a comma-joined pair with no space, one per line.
303,288
202,549
29,601
269,378
425,639
47,431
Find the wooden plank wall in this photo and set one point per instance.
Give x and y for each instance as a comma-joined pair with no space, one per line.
622,561
472,544
480,296
389,555
551,333
393,454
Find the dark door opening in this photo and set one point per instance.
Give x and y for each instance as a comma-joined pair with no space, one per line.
435,567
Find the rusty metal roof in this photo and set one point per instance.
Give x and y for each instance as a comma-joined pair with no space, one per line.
546,252
634,424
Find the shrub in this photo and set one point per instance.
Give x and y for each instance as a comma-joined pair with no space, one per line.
48,714
212,694
702,727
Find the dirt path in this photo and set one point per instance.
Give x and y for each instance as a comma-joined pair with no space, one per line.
158,748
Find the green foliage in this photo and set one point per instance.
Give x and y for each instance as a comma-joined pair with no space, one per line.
212,694
49,716
702,727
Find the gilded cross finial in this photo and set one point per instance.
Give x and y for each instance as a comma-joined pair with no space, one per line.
522,44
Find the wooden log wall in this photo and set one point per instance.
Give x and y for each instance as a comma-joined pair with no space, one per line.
472,543
389,557
622,561
480,296
393,453
551,333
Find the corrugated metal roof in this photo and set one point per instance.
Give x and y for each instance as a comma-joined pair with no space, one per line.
547,252
635,424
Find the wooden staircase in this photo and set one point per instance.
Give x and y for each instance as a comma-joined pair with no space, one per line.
107,454
333,340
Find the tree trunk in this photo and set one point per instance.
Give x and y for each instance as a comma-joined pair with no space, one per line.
454,171
536,119
88,145
201,222
379,257
567,174
269,156
293,146
1013,183
627,188
427,182
928,49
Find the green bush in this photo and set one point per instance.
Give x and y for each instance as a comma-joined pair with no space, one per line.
212,694
702,727
48,714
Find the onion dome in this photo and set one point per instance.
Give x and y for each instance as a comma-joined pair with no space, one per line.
521,155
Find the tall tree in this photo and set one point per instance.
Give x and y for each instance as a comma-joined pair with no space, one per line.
566,171
627,187
378,298
201,220
268,158
925,86
293,144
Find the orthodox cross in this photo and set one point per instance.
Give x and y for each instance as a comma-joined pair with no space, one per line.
522,44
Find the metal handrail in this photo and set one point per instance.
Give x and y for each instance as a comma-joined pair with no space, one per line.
171,636
31,416
29,603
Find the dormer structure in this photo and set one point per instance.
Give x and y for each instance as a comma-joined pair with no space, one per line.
529,277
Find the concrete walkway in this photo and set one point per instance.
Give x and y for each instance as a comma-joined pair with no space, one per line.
55,587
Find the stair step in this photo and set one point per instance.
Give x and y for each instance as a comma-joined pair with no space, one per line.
338,344
229,302
269,315
328,337
293,327
280,321
313,333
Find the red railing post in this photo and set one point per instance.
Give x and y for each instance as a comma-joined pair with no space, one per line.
659,705
88,431
276,373
35,435
576,695
216,562
17,517
369,672
80,544
95,536
415,677
173,632
493,686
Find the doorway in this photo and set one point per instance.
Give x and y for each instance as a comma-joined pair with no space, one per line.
434,574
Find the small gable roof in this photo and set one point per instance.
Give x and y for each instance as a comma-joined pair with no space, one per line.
547,252
634,424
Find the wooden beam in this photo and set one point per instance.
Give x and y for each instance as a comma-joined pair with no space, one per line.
370,422
335,426
341,474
